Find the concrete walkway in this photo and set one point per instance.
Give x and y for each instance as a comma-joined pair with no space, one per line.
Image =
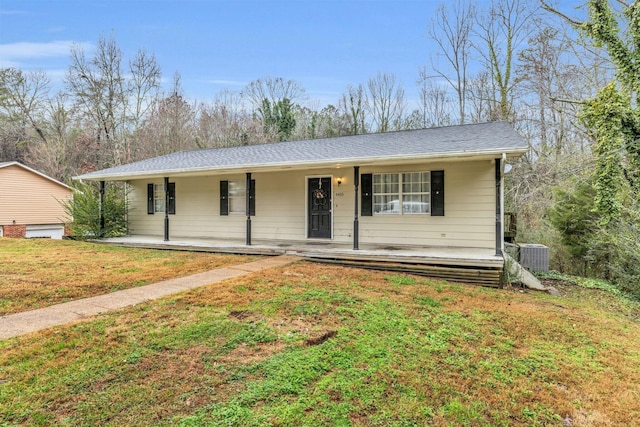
14,325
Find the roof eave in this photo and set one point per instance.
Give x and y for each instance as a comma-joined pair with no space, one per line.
511,152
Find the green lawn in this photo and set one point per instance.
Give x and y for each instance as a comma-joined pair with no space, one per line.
317,345
39,272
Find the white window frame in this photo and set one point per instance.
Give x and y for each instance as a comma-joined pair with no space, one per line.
240,198
401,193
424,183
382,199
158,198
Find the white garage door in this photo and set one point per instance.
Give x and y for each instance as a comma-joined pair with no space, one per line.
54,231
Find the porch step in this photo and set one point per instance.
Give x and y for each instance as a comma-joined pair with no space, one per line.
490,277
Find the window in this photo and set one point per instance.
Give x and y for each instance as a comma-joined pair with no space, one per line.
233,197
386,193
409,190
158,197
237,196
416,188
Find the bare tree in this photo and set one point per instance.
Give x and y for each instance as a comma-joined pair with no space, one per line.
385,102
23,97
352,103
144,90
550,78
61,156
481,98
502,30
273,101
170,126
325,122
451,30
274,90
96,85
226,122
435,104
113,99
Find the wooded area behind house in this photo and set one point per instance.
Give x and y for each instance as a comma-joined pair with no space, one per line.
567,80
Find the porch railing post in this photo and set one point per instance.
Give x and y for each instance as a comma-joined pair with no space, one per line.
356,223
101,208
166,209
498,207
248,200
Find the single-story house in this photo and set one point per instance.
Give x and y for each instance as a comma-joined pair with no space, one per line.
30,203
435,188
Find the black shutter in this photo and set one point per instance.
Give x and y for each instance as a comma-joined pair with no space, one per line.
437,193
366,186
150,203
252,198
171,209
224,197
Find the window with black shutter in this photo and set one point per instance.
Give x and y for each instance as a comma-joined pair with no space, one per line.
252,198
406,193
224,197
437,193
171,189
366,199
150,199
233,197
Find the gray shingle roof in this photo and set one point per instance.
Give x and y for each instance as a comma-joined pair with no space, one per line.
464,140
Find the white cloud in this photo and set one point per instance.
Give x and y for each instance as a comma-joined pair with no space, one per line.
224,82
28,50
24,54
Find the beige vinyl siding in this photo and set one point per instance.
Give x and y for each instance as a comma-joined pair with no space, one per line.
281,208
469,219
28,198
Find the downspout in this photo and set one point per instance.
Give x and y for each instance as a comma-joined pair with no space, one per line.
356,224
166,209
248,208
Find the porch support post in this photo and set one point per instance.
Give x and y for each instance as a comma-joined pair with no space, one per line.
498,207
166,208
248,198
101,208
356,224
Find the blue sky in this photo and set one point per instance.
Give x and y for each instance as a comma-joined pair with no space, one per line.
324,45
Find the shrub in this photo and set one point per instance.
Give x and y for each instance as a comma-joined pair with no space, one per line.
84,208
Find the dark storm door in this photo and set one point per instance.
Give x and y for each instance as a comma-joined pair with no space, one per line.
319,207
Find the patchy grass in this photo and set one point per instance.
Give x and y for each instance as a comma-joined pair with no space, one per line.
40,272
318,345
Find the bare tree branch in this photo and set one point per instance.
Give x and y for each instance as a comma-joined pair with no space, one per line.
545,6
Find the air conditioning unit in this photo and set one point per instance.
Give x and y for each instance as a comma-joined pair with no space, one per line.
534,257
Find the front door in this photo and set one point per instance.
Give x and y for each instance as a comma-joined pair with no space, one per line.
319,207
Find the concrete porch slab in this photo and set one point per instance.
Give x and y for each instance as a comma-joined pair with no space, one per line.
317,249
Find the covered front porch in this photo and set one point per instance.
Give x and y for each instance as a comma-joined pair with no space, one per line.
470,265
